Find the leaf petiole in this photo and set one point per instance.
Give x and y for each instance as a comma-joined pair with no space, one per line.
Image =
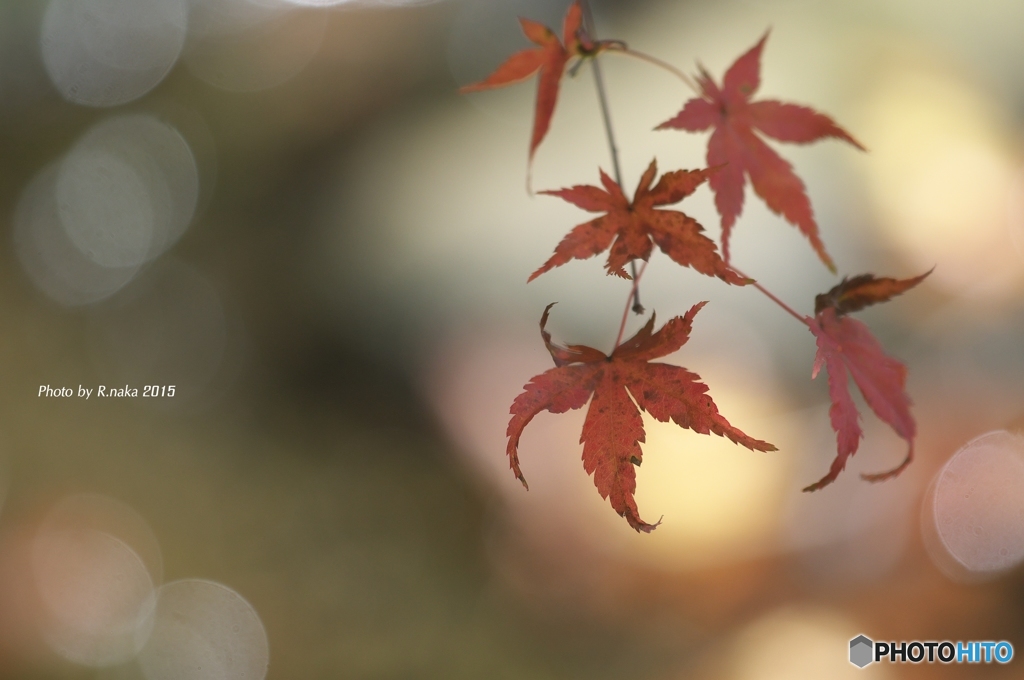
678,73
632,296
796,315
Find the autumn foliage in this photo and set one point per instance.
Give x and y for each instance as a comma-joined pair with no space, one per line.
550,58
618,386
637,225
846,346
735,145
620,383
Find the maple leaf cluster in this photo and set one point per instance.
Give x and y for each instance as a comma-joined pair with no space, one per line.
618,386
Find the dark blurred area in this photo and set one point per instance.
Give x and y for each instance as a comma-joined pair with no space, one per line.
279,223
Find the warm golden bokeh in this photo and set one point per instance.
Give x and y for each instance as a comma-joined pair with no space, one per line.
942,175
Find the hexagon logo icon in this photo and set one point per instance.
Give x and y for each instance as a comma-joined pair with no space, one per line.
861,651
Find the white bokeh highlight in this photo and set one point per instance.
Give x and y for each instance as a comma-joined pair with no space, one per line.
974,512
204,631
124,193
48,256
127,190
105,209
94,565
109,52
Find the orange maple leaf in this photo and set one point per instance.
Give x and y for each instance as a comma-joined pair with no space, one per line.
735,144
847,347
550,58
637,225
620,383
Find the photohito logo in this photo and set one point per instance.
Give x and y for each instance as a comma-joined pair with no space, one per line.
864,651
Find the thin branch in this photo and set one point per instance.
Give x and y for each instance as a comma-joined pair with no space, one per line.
625,312
660,64
796,315
588,24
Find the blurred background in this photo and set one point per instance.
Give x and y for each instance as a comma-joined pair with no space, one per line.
284,209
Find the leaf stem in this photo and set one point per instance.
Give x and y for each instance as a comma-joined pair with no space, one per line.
796,315
660,64
632,296
588,23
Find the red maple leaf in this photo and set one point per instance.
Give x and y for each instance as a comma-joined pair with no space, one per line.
550,58
637,225
734,143
619,383
846,346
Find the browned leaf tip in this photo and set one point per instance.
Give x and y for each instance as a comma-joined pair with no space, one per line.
853,294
